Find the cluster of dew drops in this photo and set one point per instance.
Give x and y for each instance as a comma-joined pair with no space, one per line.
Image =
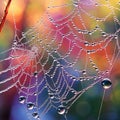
61,109
106,84
30,106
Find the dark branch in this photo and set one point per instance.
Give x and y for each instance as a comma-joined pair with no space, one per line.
5,15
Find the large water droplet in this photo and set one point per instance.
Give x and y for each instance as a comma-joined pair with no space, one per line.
106,83
61,110
30,106
22,99
35,115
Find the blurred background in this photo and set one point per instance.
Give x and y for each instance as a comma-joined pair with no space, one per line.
26,13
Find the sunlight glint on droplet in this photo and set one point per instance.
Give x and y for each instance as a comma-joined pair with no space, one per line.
61,110
106,83
22,99
30,106
51,95
35,115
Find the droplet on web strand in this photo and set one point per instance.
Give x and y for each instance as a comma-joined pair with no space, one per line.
106,83
35,115
51,95
22,99
61,110
30,106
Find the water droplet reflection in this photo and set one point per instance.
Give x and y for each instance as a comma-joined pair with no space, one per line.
106,83
30,106
22,99
35,115
61,110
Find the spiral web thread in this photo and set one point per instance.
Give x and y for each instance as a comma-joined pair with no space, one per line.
55,62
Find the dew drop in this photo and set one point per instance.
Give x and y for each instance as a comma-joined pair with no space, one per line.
74,79
103,34
30,106
96,4
116,37
35,115
96,69
57,90
35,73
61,110
90,33
84,72
79,31
22,99
106,83
51,95
96,27
86,43
35,94
88,51
74,92
15,43
75,4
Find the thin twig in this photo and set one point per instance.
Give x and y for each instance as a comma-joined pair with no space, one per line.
5,15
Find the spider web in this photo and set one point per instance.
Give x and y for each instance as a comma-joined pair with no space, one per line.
57,60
